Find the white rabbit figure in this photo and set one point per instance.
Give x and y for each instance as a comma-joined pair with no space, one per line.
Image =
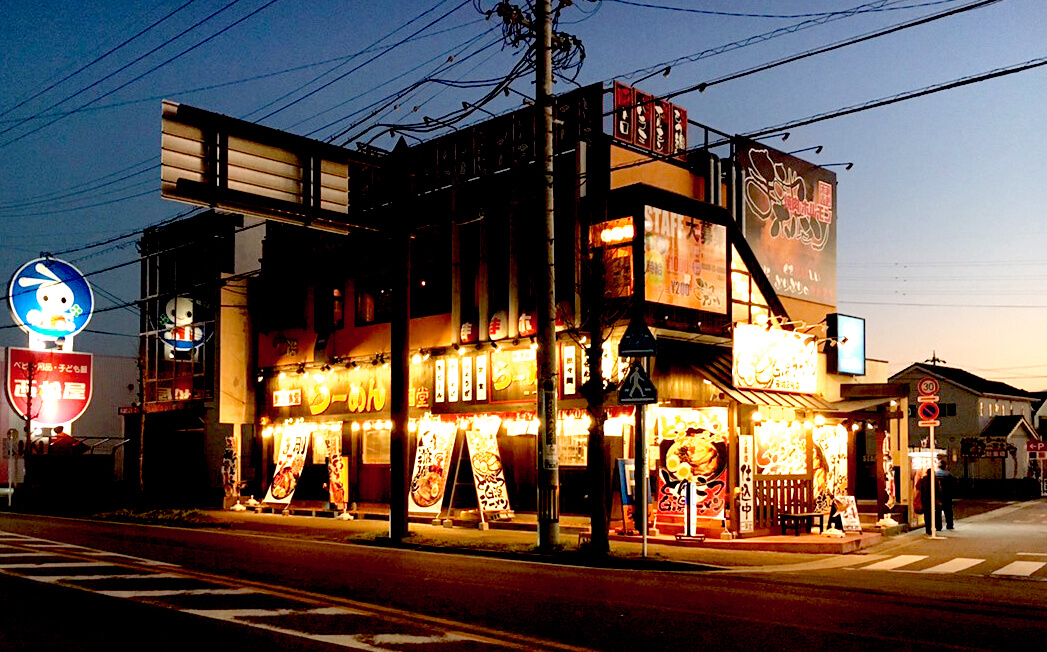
180,335
55,298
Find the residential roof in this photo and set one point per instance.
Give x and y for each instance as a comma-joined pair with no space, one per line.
966,379
1003,426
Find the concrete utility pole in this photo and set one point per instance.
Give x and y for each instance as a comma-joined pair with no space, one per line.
548,456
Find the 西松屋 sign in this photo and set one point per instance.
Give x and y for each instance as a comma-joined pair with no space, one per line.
48,387
774,360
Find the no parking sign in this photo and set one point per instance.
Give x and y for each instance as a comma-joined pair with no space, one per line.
928,403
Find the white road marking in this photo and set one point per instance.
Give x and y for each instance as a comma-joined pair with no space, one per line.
25,554
894,562
1020,568
82,578
953,565
1031,554
70,564
170,592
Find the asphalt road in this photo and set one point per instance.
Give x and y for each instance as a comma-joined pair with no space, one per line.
826,604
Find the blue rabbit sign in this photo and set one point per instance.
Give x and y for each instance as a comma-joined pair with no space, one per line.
50,299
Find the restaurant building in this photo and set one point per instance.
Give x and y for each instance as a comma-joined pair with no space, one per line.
725,252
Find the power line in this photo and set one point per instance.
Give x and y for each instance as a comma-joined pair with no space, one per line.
666,66
929,90
236,82
147,72
835,46
359,66
709,12
121,68
95,60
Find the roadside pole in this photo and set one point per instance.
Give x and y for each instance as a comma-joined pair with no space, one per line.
927,411
548,456
637,390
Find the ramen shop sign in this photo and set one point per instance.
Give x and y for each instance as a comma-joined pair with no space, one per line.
51,387
774,360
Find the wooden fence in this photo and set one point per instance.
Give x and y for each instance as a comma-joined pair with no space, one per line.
781,493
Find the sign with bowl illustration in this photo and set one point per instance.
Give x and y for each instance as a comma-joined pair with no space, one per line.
774,360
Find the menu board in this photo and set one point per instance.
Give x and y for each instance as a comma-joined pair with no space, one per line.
432,464
491,492
294,443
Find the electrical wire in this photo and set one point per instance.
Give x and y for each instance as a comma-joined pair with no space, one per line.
902,97
730,14
96,59
835,46
124,67
359,66
147,72
665,66
236,82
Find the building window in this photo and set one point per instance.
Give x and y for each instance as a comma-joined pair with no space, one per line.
376,447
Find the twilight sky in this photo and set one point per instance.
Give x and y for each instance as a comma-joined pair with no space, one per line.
939,246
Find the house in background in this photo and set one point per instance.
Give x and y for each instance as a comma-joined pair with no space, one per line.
985,424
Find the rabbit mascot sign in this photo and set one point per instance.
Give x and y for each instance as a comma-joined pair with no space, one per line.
181,333
51,300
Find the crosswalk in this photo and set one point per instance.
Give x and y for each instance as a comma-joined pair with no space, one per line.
923,564
336,622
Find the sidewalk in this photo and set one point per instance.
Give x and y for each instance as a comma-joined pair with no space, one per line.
517,538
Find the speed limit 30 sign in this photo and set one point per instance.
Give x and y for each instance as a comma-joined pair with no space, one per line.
928,403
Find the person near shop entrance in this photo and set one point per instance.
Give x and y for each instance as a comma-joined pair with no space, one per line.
947,488
925,498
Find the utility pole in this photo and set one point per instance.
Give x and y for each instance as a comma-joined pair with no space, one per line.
548,456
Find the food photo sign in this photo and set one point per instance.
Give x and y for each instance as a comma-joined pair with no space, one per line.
432,465
294,444
693,450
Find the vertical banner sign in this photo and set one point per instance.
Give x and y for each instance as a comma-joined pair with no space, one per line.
481,377
432,464
55,384
644,120
491,492
337,469
439,379
467,378
569,378
746,488
453,379
294,443
790,221
624,113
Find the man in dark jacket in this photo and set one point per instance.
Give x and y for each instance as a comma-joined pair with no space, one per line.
947,487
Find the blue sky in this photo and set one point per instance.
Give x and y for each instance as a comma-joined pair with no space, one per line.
939,242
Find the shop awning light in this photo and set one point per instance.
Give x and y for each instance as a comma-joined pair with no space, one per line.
416,358
757,417
819,419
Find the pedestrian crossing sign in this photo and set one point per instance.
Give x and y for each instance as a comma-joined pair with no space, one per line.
637,388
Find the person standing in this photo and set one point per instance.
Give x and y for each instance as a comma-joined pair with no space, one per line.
947,488
930,511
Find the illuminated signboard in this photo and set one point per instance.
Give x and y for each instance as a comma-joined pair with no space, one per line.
50,299
790,221
647,122
846,352
685,261
774,360
51,387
